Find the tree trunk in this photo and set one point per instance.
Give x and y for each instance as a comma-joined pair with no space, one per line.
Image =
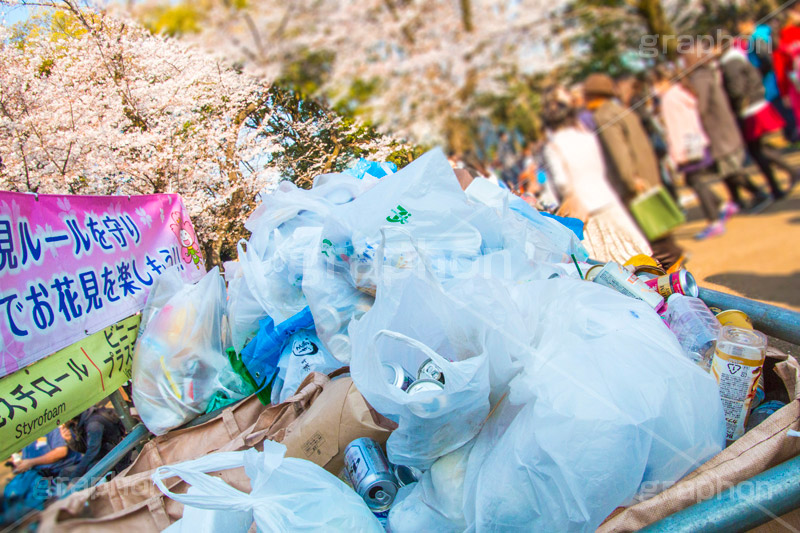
466,15
658,25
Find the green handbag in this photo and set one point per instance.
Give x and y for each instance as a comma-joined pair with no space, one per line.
656,213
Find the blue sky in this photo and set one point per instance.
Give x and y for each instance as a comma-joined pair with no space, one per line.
10,15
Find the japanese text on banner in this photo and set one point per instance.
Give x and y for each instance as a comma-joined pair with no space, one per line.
37,399
71,265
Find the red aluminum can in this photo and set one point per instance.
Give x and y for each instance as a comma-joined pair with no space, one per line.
680,282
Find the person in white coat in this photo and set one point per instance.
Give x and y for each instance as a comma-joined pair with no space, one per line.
575,161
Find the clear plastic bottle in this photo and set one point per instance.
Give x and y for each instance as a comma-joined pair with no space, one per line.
737,365
695,326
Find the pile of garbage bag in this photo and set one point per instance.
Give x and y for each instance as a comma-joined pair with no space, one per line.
525,396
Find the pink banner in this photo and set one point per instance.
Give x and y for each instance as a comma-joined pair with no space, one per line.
72,265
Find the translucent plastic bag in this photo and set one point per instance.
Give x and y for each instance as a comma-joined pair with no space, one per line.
334,302
179,362
606,405
435,502
287,494
268,279
411,321
544,239
425,199
268,287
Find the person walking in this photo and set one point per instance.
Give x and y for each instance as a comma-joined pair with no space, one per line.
758,40
631,162
688,145
786,60
757,117
580,178
719,122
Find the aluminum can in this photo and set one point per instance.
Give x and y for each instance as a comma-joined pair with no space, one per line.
397,376
734,317
370,473
425,385
432,405
430,370
614,276
680,282
406,475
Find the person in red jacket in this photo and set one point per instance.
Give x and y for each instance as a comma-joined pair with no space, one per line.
786,60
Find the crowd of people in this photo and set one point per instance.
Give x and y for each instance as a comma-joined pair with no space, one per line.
611,141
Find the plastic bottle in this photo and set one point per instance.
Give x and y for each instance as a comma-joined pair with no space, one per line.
695,326
737,364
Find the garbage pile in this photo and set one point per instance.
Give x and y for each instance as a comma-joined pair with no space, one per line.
532,389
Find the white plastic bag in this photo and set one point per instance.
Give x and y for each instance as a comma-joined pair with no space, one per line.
270,287
605,407
435,503
179,361
413,320
267,281
333,301
425,200
544,239
196,520
287,494
302,354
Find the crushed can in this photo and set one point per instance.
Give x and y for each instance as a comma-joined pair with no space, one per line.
370,474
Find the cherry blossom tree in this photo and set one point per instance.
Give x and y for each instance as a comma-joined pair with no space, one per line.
407,65
106,107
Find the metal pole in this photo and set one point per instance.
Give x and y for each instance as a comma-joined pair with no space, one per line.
772,320
136,436
122,409
745,506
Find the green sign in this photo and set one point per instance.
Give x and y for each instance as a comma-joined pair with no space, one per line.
39,398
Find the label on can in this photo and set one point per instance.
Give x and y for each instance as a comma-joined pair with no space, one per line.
669,284
737,379
615,277
383,518
357,467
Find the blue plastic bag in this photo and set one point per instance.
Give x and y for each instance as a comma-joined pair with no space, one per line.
375,169
261,354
